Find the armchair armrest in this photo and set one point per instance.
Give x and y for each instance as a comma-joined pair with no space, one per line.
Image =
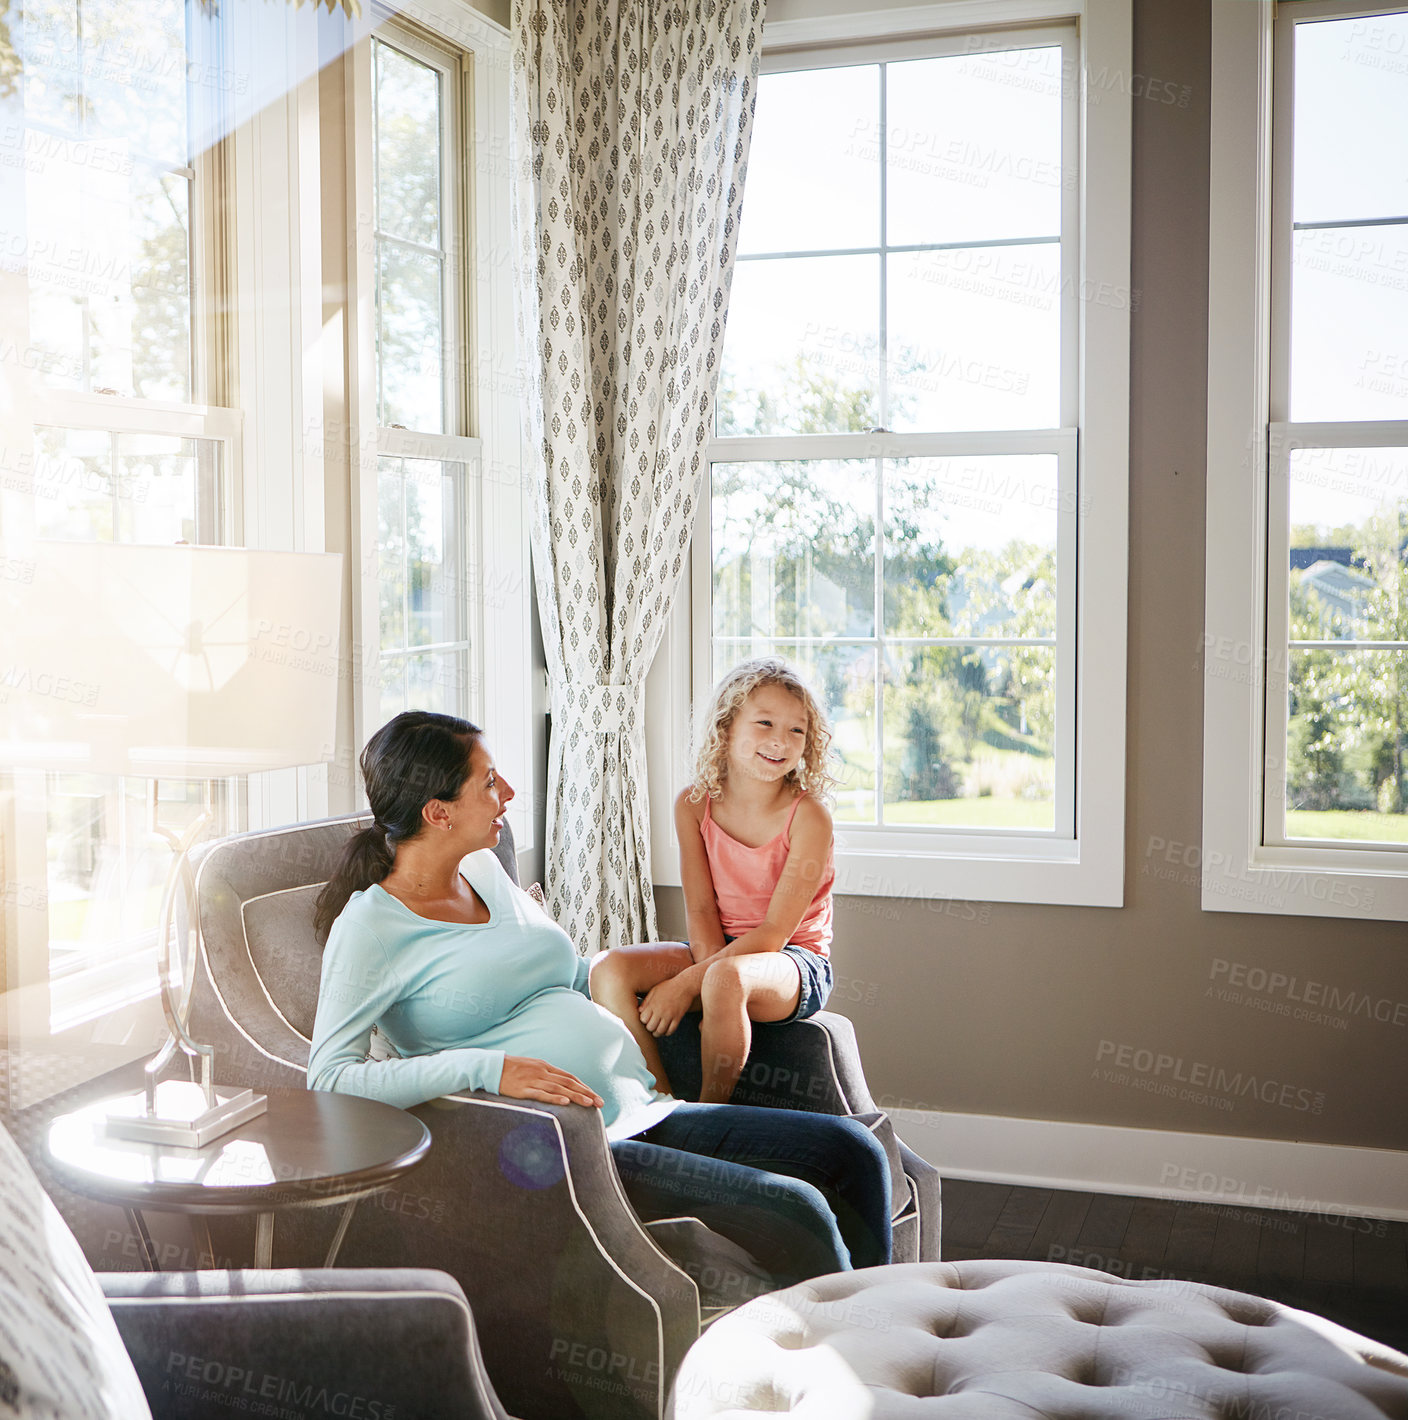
925,1189
812,1064
576,1306
550,1144
367,1343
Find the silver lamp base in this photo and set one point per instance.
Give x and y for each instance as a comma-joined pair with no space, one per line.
182,1116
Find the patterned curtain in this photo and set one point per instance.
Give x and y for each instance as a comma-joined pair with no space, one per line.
631,121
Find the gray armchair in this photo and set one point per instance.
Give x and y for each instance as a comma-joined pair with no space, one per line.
581,1309
374,1344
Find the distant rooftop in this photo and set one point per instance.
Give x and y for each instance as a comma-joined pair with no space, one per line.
1303,557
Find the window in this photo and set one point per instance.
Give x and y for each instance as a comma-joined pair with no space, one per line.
910,452
1338,605
418,397
443,606
920,580
119,219
423,467
1323,405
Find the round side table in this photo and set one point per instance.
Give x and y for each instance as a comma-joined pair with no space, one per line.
310,1149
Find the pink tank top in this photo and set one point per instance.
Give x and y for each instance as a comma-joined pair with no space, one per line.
744,879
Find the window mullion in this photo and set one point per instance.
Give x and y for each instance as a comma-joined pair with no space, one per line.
420,248
405,557
884,406
377,293
114,474
879,679
774,448
1341,434
1280,237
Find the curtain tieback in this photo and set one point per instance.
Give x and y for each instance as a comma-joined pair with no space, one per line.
600,709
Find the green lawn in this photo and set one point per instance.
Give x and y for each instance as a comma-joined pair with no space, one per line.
1002,776
1361,825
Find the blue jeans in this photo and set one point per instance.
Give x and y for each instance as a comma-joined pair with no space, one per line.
806,1194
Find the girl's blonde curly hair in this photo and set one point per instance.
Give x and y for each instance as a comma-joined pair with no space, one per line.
715,725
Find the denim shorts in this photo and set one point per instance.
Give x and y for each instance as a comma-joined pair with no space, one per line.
816,980
815,970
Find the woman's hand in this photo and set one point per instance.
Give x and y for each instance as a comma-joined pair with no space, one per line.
665,1005
527,1079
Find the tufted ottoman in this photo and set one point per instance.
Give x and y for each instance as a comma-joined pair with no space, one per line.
1031,1341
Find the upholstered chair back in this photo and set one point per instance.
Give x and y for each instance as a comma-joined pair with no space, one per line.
256,989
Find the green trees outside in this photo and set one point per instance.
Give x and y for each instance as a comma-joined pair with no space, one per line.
1348,710
803,398
794,556
963,713
410,223
160,312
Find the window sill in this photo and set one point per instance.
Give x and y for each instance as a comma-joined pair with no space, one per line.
1054,873
1308,882
102,989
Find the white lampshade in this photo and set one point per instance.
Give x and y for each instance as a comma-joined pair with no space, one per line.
192,662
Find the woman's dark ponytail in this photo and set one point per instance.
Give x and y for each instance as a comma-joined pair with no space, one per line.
417,757
366,859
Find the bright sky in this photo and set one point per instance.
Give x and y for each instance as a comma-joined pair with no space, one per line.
973,149
973,144
1350,304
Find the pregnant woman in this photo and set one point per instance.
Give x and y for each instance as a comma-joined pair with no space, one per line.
476,988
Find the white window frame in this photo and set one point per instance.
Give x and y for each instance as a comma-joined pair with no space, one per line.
1249,448
1086,865
497,580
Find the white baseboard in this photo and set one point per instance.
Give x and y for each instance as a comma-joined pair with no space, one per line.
1152,1163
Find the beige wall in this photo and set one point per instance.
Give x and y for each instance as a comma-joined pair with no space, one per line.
497,10
1002,1009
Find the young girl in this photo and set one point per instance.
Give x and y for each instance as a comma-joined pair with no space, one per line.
756,864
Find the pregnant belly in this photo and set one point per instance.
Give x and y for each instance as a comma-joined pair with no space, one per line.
564,1028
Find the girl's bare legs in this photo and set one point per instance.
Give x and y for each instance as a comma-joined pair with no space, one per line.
620,975
761,986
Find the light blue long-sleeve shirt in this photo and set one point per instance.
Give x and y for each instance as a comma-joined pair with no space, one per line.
455,998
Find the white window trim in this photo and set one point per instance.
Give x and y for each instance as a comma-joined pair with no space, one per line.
497,567
277,494
1240,873
1087,869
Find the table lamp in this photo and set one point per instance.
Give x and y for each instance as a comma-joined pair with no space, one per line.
195,663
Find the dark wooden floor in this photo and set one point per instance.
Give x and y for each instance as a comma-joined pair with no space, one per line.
1353,1270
